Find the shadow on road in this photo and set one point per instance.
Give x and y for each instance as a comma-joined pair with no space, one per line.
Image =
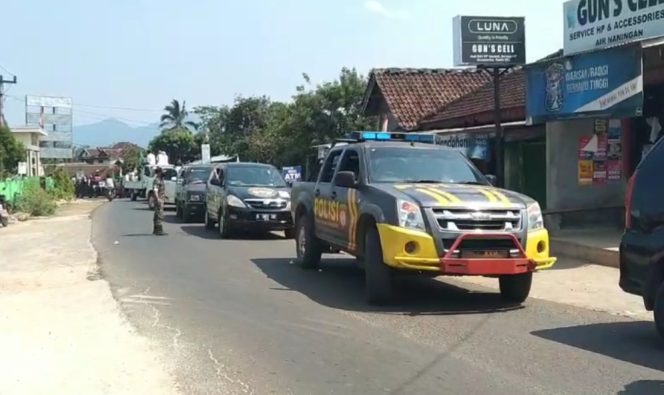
340,284
643,387
630,341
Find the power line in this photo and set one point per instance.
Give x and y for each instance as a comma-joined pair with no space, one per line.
6,71
104,107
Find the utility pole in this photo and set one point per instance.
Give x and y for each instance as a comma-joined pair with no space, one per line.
2,97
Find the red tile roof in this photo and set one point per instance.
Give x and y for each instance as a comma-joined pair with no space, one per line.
413,94
476,108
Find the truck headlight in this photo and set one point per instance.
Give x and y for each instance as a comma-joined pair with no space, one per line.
410,215
234,201
535,218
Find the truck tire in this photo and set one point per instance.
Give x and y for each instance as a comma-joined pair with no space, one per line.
308,247
658,310
378,276
178,210
209,223
151,201
134,196
516,287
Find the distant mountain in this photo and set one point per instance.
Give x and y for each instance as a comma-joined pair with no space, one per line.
111,131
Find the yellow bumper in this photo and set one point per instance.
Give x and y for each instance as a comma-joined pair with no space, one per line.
424,255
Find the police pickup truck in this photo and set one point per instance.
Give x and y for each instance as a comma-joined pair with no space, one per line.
397,202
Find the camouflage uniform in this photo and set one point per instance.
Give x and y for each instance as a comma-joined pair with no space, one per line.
160,193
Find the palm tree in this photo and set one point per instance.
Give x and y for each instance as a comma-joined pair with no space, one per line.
175,117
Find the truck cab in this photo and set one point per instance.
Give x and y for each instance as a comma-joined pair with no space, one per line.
398,202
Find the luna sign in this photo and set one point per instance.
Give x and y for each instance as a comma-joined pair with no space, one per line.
489,41
596,24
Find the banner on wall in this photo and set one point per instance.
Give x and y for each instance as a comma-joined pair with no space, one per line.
608,83
474,146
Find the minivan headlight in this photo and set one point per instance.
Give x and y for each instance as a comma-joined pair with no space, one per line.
234,201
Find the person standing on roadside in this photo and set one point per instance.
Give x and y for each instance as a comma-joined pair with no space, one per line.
159,191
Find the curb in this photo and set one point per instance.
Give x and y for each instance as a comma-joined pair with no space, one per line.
596,255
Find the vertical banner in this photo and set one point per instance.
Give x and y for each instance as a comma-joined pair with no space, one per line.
205,153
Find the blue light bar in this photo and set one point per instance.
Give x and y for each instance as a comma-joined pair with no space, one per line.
387,136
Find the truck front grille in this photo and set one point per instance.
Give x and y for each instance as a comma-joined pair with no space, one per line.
496,220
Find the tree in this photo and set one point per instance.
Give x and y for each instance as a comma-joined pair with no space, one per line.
176,117
12,151
178,143
131,158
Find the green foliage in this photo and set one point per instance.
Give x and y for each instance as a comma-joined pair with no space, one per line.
179,144
258,129
64,188
132,155
12,151
176,117
35,201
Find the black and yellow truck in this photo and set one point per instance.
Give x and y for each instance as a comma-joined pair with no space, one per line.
398,202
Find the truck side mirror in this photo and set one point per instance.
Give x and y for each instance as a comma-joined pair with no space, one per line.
492,179
345,179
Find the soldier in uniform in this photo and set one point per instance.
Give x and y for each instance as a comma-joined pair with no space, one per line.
159,191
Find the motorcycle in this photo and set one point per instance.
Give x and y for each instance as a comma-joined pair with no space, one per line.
110,194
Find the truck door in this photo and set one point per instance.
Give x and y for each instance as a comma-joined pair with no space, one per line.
214,194
326,206
343,234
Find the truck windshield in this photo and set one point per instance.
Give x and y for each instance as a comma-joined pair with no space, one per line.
254,176
396,165
199,174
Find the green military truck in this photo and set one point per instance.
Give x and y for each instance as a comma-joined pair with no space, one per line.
398,202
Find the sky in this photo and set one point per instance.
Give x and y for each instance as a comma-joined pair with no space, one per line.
126,59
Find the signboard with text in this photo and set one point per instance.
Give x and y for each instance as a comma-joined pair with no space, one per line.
605,83
474,146
292,174
489,41
596,24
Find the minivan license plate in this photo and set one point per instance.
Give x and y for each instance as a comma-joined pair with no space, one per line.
265,217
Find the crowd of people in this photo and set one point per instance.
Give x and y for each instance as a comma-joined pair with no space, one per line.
95,184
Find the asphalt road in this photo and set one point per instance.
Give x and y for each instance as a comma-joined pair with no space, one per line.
236,316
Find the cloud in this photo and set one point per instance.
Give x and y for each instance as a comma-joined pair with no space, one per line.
376,7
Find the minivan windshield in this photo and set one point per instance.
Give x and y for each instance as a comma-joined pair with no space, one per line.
254,176
407,165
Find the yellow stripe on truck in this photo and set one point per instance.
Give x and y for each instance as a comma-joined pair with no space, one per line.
453,199
439,198
501,196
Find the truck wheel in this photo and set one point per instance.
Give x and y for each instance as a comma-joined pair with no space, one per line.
151,202
378,276
516,287
224,225
659,310
178,210
134,196
209,223
307,246
184,214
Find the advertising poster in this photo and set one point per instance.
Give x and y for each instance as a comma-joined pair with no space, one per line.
599,172
614,170
489,41
586,150
585,172
292,174
602,147
606,83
